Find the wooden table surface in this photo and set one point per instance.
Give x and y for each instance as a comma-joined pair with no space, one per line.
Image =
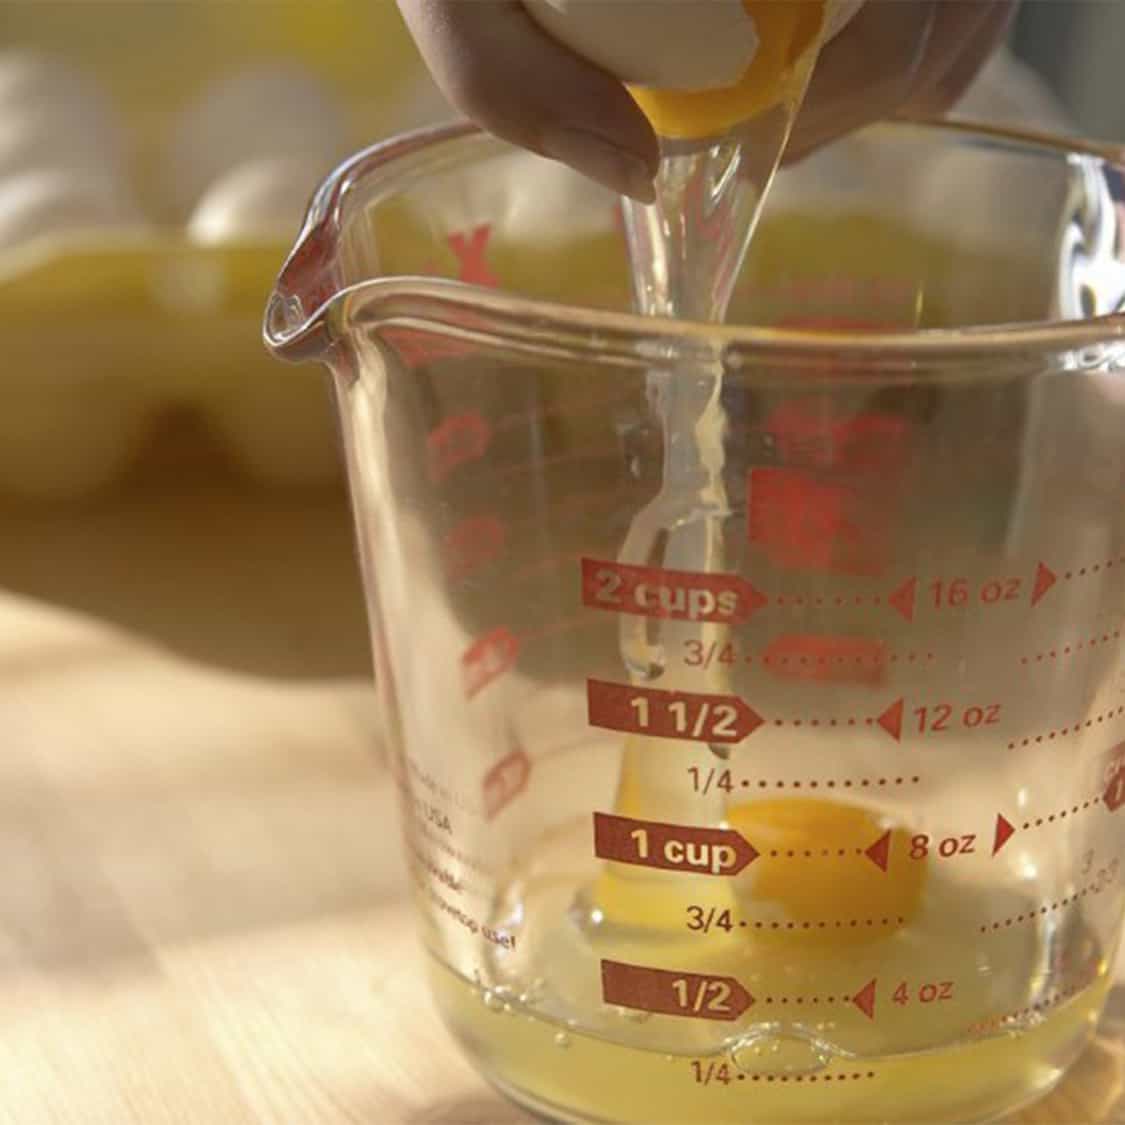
201,912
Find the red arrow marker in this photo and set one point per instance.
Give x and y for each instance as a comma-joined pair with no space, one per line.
902,598
879,852
673,994
1114,795
1004,832
891,720
671,847
864,999
1045,578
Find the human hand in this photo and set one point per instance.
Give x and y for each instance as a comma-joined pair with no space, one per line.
498,66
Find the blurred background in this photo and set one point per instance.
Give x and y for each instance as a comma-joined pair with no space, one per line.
158,471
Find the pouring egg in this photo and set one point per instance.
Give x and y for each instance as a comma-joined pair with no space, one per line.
696,69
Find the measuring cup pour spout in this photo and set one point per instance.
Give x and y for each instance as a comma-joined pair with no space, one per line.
299,313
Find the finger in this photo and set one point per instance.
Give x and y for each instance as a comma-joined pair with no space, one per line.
948,87
956,22
864,74
500,69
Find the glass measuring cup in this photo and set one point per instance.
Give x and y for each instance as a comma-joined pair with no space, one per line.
837,834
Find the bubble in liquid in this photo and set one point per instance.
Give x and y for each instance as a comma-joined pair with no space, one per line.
562,1039
633,1015
491,1001
767,1052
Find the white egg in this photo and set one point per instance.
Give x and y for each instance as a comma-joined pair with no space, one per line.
41,204
62,441
278,425
29,79
263,112
669,44
260,200
47,138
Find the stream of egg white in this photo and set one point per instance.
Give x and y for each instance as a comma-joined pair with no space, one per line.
686,251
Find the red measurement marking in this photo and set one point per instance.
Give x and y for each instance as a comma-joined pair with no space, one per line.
1115,792
1045,578
891,720
877,852
1094,888
1062,732
804,523
420,346
459,439
473,543
864,999
723,719
1114,774
487,658
671,847
470,252
806,434
679,595
505,782
673,994
831,658
1004,832
902,598
1061,651
880,851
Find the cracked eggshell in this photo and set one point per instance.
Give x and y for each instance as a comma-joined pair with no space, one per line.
666,44
669,44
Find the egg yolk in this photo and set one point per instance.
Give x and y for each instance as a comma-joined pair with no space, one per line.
786,30
801,872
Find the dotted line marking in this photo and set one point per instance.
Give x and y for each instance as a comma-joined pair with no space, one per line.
1095,568
1022,1013
831,783
854,1076
1070,650
849,722
1053,734
836,924
1032,915
1040,821
820,602
813,853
